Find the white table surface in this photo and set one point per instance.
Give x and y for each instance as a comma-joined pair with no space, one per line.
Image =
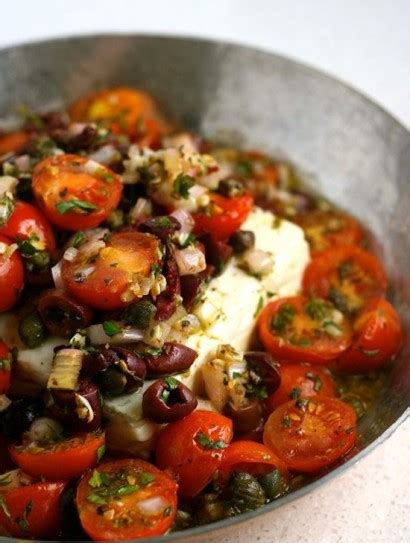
367,44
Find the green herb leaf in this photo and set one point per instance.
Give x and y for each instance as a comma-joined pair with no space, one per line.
295,393
100,452
208,443
78,239
258,306
75,205
146,478
96,499
5,364
23,521
171,382
111,328
126,490
182,184
95,480
283,317
317,381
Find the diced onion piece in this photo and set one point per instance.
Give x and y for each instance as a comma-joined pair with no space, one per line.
57,275
190,260
152,507
258,262
66,369
91,166
144,430
97,335
45,429
70,254
214,377
84,409
92,247
106,155
7,184
185,219
75,129
141,210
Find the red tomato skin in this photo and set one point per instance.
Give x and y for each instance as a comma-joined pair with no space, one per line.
55,175
13,142
94,524
322,353
310,447
377,337
250,456
59,465
11,278
294,376
316,279
25,220
222,226
5,373
178,452
45,518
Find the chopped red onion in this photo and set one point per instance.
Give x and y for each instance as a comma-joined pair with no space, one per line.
185,220
141,210
105,155
70,254
57,275
97,335
190,260
152,507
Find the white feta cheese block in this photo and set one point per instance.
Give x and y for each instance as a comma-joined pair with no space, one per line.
227,315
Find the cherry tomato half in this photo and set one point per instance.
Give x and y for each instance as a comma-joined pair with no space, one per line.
192,448
126,499
225,216
27,222
123,110
300,381
11,275
63,460
5,368
301,328
254,458
74,192
32,511
13,142
377,337
111,280
310,434
346,275
327,229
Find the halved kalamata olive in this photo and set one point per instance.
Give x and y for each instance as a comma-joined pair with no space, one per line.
192,285
217,253
168,400
173,358
242,240
62,314
132,366
166,300
231,187
17,418
78,409
71,142
263,369
246,417
163,226
112,381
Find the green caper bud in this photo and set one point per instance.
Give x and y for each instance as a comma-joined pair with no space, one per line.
231,187
139,314
245,493
273,484
116,219
39,260
112,382
32,330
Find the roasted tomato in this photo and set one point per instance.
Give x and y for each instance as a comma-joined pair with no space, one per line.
33,511
11,274
377,337
328,229
116,275
348,276
28,223
5,368
75,193
299,328
13,142
311,433
61,460
126,499
300,381
223,216
123,110
192,449
249,456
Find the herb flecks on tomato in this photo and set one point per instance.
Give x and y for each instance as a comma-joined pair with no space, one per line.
74,192
300,328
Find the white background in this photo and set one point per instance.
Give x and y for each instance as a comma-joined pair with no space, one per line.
367,44
364,42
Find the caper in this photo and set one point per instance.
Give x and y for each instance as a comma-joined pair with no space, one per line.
139,314
273,484
40,260
244,493
242,240
32,330
116,219
112,381
231,187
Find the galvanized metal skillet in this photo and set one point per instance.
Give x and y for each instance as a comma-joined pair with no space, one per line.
349,148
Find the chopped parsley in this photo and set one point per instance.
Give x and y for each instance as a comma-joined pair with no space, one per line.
106,486
316,309
111,328
182,184
78,239
295,393
259,306
284,317
23,522
100,452
75,204
317,381
208,443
